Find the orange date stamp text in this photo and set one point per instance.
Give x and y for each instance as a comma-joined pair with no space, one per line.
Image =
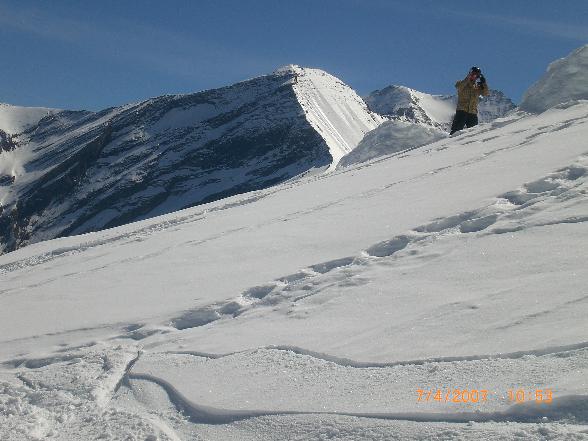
458,395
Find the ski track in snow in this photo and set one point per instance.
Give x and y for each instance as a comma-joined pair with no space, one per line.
509,213
510,208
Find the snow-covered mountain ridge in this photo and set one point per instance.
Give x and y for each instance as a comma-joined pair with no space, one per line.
76,172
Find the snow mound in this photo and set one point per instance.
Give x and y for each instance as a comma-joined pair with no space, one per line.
16,119
392,137
333,109
566,79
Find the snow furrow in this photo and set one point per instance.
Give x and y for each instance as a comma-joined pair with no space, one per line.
347,362
571,406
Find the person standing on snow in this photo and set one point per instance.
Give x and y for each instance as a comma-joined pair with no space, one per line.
468,92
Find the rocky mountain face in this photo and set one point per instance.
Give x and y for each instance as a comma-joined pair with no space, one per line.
6,142
401,103
76,172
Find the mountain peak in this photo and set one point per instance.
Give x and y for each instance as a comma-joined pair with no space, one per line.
334,110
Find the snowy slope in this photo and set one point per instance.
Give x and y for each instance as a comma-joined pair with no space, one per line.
83,171
565,79
16,119
318,307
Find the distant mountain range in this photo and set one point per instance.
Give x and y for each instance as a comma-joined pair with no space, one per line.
71,172
404,104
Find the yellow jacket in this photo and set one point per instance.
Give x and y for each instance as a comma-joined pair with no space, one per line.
468,94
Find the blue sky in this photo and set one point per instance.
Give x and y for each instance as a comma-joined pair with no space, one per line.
96,54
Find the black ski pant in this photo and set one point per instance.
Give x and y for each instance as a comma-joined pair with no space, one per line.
463,118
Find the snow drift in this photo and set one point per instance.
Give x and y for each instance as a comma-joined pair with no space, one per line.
566,79
392,137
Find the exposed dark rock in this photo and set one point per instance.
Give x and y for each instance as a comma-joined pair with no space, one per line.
105,169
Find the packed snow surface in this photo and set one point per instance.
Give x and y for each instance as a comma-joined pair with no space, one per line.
566,79
318,308
16,119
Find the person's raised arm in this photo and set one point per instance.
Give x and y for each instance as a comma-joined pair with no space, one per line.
484,86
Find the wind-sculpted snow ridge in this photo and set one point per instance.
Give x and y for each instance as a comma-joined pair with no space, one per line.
566,79
119,393
566,407
333,109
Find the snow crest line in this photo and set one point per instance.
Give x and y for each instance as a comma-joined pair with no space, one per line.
347,362
575,406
